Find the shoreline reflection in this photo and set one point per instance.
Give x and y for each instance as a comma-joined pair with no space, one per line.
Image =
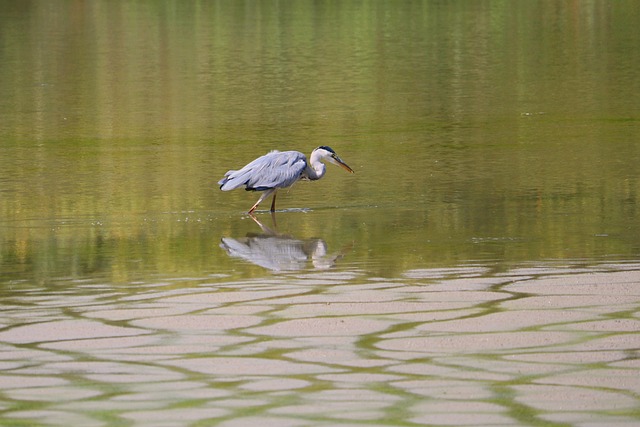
279,252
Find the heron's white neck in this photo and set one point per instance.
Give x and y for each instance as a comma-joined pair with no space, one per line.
315,169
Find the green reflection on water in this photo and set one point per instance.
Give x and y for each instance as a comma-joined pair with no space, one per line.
499,132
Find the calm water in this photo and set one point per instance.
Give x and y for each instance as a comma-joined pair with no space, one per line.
481,267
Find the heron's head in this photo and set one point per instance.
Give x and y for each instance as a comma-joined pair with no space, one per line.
327,153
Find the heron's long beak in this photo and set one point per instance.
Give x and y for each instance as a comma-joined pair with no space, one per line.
339,162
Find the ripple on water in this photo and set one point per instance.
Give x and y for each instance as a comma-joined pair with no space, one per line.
67,329
433,347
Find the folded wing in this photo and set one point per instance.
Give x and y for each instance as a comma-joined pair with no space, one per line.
277,169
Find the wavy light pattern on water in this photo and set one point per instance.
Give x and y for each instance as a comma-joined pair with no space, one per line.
538,344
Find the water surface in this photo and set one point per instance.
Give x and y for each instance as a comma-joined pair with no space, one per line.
479,268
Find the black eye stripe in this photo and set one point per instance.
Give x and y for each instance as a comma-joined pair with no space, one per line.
329,149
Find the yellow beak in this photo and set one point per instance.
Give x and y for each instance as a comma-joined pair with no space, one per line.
342,164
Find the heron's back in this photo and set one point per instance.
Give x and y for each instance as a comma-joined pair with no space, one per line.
277,169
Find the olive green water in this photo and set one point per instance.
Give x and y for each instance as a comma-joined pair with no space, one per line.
481,267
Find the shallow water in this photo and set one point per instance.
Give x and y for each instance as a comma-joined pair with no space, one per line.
481,267
542,344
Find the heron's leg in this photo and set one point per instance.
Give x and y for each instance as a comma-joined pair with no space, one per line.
273,202
264,195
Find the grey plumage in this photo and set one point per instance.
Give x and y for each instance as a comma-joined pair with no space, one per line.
279,169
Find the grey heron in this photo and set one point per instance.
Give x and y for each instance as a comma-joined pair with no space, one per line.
280,169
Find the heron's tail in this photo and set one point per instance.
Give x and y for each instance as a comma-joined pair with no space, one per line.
235,179
228,183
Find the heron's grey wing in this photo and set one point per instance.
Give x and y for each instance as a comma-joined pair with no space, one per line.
234,179
277,169
280,170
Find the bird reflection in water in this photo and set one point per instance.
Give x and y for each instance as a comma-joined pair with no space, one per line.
279,252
